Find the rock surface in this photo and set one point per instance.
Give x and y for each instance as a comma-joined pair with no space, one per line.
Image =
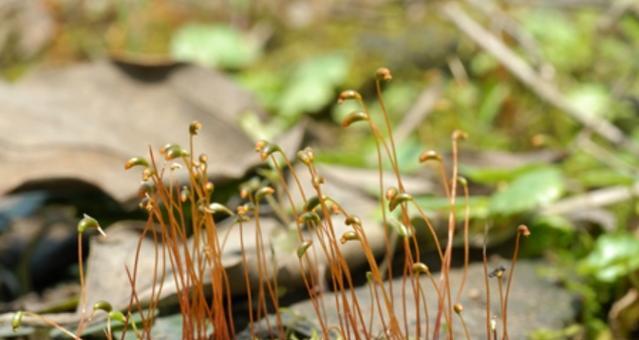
84,121
535,302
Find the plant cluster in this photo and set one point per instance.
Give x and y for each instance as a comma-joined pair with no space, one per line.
182,221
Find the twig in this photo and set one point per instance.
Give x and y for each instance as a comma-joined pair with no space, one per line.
520,69
615,12
585,143
507,24
593,199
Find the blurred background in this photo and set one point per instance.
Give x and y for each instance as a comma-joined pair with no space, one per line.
548,92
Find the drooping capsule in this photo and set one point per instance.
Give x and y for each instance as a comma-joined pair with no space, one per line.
399,199
420,268
353,220
103,306
136,161
429,155
349,236
263,192
214,208
353,117
348,94
89,222
309,217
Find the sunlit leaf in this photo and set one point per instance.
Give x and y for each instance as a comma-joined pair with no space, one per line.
528,191
614,256
560,38
213,46
312,85
434,204
492,175
591,98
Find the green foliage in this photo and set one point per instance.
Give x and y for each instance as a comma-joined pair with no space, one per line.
528,191
312,85
564,44
478,205
213,46
592,98
557,334
492,102
495,175
614,257
553,233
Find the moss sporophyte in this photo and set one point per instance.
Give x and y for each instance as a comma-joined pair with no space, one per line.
182,220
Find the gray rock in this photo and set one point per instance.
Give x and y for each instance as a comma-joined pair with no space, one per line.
534,302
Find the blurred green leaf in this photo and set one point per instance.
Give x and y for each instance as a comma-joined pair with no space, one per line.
407,155
478,205
495,175
528,191
563,41
552,232
312,85
603,177
614,257
482,63
591,98
213,46
492,102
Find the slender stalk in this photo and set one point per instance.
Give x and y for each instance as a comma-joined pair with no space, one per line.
522,230
486,285
466,333
247,281
500,286
53,324
83,288
466,242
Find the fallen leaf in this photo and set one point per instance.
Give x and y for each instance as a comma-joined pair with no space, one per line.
83,122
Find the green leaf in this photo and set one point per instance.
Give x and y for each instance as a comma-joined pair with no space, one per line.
614,257
528,191
563,41
431,204
492,175
312,85
591,98
603,177
213,46
492,102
